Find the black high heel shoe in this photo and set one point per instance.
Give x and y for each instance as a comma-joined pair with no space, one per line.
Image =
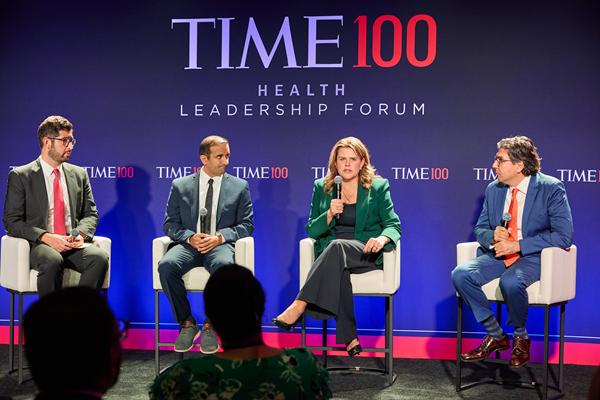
286,327
355,350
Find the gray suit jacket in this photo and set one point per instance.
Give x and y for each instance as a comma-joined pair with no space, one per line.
234,210
26,204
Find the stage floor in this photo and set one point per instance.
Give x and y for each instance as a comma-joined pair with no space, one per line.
417,379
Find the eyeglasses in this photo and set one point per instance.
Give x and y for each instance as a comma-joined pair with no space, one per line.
123,329
66,141
501,160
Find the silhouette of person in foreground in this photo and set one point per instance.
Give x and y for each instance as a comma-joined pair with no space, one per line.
73,345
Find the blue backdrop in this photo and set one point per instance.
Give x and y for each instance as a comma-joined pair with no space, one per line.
428,86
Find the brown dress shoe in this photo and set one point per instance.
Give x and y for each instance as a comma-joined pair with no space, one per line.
520,352
486,347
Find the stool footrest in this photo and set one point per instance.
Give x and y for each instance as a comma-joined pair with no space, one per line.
10,373
161,344
361,369
338,348
560,394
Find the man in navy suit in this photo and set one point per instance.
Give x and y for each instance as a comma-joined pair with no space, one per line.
540,218
226,200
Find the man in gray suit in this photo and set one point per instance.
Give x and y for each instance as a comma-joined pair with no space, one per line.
226,200
45,200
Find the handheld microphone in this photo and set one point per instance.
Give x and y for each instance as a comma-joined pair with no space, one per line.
74,234
338,190
506,217
203,213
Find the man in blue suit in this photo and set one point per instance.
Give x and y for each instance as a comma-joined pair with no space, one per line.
540,218
226,200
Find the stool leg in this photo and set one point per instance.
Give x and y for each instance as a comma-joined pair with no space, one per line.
499,313
325,343
303,333
156,334
459,344
11,334
561,350
20,366
389,337
546,345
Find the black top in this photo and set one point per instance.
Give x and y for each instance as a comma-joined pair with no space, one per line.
344,227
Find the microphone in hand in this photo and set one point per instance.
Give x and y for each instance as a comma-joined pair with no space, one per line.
338,190
203,212
506,217
74,234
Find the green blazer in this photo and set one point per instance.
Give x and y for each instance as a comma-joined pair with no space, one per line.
375,216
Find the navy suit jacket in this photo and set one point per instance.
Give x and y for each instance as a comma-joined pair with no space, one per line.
546,219
26,205
234,210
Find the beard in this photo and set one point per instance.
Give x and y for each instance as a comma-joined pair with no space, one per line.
59,157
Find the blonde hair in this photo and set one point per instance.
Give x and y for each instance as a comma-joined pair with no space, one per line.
366,173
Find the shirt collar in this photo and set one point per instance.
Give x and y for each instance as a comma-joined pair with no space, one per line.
47,169
204,177
523,185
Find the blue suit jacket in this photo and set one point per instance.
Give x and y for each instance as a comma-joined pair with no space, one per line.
546,220
234,210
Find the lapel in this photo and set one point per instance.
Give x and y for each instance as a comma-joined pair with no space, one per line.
222,196
362,209
39,184
72,189
532,190
499,206
195,197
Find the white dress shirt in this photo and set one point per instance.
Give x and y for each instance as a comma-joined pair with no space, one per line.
215,203
49,179
521,195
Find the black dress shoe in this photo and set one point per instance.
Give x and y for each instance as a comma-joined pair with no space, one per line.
285,326
355,350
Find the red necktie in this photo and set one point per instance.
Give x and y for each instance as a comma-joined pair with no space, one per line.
59,206
513,210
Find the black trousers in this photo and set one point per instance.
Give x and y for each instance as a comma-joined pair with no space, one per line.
91,262
328,289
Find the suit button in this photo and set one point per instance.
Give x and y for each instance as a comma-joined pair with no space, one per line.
368,217
365,229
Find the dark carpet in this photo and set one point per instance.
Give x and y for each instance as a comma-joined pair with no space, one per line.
417,379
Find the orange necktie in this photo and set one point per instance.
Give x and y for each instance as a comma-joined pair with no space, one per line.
59,206
513,210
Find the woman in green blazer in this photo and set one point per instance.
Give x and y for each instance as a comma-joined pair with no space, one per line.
350,234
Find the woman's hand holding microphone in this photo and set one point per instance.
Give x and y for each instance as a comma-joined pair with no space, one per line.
336,207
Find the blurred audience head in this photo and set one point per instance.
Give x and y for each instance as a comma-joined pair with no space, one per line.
73,342
234,301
